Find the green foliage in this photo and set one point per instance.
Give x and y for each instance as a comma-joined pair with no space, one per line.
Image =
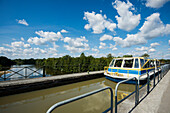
145,55
127,55
68,64
5,62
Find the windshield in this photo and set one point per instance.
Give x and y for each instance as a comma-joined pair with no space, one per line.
118,63
112,63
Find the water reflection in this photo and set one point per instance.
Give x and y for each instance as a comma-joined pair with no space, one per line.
39,101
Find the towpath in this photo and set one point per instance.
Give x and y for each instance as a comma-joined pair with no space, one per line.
158,101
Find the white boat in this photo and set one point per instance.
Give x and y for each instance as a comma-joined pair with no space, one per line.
128,67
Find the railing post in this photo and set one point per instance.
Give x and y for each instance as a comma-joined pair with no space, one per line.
158,76
154,79
137,92
161,75
115,103
25,72
4,75
148,81
43,71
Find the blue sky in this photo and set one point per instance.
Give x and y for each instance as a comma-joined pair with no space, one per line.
43,28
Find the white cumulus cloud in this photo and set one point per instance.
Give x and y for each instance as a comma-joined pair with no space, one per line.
142,49
154,44
64,31
45,37
102,45
98,23
76,45
22,22
106,37
95,49
126,19
155,3
22,38
153,27
113,47
151,50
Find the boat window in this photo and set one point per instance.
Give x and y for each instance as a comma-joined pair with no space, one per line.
152,63
142,62
112,63
147,65
136,63
157,63
118,63
128,63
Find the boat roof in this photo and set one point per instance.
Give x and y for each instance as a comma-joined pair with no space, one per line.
135,57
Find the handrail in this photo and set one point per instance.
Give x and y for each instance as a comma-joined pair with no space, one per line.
137,92
83,96
164,70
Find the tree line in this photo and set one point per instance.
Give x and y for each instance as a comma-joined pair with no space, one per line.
67,64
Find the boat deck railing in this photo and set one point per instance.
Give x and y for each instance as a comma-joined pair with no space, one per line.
160,75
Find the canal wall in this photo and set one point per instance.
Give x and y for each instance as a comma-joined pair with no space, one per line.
25,85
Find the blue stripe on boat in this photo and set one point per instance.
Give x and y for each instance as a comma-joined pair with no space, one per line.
123,71
130,71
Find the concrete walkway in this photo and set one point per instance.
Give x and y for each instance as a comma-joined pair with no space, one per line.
158,101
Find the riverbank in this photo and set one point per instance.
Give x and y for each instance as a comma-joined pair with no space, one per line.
20,86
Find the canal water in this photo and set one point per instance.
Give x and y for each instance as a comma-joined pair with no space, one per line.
41,100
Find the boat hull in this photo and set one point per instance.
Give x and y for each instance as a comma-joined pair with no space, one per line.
142,80
128,82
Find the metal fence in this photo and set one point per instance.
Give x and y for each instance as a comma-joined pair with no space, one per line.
21,73
26,72
164,70
160,75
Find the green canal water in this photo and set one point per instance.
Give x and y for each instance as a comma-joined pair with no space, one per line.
39,101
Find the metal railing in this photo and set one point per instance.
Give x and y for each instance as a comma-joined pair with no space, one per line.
46,71
136,91
25,72
164,70
83,96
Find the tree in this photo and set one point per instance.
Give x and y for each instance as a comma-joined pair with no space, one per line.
109,55
127,55
145,55
5,62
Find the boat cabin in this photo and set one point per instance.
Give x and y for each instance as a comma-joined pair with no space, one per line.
132,66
